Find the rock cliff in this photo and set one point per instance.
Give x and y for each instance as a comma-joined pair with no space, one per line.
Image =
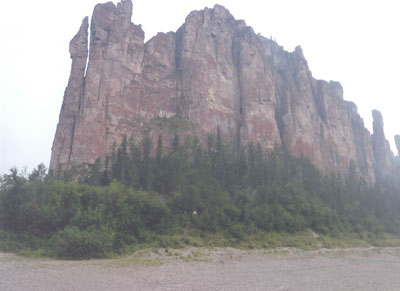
213,72
397,140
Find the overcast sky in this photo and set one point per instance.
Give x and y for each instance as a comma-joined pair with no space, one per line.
354,42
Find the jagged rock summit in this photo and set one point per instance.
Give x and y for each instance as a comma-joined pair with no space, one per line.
213,72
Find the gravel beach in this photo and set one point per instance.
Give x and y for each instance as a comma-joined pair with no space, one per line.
210,269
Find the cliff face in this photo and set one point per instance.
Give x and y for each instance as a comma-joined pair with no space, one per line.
397,140
213,72
384,158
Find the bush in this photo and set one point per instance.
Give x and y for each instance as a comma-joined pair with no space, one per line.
9,242
73,243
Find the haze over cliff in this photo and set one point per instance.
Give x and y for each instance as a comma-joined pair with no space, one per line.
214,72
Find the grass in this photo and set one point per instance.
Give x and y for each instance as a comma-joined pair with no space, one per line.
30,253
174,246
386,240
140,258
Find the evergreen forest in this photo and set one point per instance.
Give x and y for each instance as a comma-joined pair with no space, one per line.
184,192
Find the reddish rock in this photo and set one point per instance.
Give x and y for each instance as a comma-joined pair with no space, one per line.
364,161
64,138
213,72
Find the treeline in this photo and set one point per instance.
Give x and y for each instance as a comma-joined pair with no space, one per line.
137,195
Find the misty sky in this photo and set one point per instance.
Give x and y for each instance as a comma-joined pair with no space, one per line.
354,42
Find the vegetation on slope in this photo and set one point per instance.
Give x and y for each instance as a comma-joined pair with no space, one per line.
186,193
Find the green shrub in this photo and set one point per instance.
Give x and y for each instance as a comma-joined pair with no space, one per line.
73,243
9,242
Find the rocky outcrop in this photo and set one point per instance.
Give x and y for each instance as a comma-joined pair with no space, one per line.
364,161
384,159
214,72
64,139
397,141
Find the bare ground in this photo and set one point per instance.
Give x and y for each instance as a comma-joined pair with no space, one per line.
211,269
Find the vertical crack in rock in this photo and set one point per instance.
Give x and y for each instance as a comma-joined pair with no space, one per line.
64,138
384,165
213,72
236,62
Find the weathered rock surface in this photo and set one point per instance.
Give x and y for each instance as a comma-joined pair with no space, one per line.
213,72
397,140
64,139
384,159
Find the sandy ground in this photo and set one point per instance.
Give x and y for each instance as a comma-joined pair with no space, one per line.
216,269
